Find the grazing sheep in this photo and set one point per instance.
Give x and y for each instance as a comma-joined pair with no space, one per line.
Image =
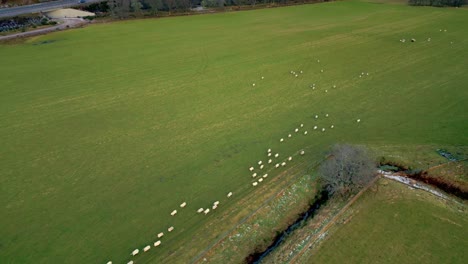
157,243
276,155
263,77
359,120
265,175
200,210
367,73
305,132
295,130
291,72
283,164
301,72
281,140
251,168
254,175
170,229
259,162
160,234
313,88
289,135
269,154
316,116
269,150
206,211
326,115
323,129
296,75
214,207
135,252
253,84
260,180
261,167
269,161
277,165
332,126
321,70
326,91
290,158
130,262
302,152
302,125
229,194
318,60
315,127
109,262
413,40
182,205
254,184
146,248
334,86
174,212
216,203
445,30
360,76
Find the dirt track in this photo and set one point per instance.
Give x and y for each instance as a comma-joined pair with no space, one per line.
63,24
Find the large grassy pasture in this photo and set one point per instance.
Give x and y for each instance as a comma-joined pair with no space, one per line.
105,130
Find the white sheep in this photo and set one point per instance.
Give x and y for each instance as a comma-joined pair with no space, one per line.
305,132
367,74
216,203
359,120
326,115
276,155
254,175
251,168
263,77
265,175
130,262
323,129
321,70
283,164
254,184
269,150
334,86
270,161
326,91
277,165
206,211
146,248
261,167
109,262
316,116
318,60
170,229
281,140
182,205
295,130
302,125
214,207
200,210
260,180
301,71
229,194
315,127
259,162
290,158
296,75
174,212
157,243
135,252
302,152
160,234
253,84
332,126
269,154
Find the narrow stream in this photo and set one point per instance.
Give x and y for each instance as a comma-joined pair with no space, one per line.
320,199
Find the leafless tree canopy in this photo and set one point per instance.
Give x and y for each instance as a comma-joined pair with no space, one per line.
348,169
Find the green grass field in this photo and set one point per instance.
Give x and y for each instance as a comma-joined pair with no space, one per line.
396,224
106,129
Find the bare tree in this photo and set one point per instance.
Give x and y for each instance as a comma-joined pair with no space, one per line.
348,169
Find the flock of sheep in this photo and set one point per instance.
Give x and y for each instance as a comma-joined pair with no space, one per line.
261,170
428,39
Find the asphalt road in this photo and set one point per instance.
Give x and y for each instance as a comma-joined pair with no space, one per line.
42,7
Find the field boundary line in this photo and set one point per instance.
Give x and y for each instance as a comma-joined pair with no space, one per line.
333,220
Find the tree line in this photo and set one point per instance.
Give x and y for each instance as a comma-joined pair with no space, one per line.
438,3
125,8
